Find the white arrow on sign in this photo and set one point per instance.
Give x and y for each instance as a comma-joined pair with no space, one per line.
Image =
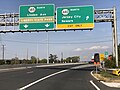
25,26
47,25
87,17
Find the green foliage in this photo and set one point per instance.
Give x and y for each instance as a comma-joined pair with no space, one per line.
119,53
53,58
68,60
43,61
2,62
73,59
33,59
8,61
110,63
14,61
109,75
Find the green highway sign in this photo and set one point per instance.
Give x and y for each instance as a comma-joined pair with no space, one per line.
106,54
78,17
36,17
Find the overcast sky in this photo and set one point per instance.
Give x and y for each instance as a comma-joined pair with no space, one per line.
70,43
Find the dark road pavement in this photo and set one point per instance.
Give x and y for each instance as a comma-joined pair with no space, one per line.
51,78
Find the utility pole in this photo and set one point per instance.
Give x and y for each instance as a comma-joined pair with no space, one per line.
37,53
3,52
27,54
47,47
62,57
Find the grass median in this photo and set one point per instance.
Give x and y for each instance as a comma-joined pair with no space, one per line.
107,77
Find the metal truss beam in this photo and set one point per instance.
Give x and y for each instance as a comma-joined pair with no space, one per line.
9,19
103,15
100,15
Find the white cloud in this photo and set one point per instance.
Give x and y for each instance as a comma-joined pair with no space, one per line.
104,47
78,49
94,47
98,47
85,48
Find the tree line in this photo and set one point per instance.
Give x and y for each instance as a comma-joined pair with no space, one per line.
34,60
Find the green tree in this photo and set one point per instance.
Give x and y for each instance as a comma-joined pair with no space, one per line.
43,61
112,62
33,59
73,59
68,60
15,60
53,58
2,62
119,54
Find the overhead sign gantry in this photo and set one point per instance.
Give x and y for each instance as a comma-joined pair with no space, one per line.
100,15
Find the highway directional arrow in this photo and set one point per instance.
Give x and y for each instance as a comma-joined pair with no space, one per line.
47,25
25,26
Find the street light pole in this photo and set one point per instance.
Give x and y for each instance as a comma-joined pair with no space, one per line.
47,47
3,53
37,53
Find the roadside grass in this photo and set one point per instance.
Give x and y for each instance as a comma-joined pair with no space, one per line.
107,77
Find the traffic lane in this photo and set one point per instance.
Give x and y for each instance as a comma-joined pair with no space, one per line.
19,78
97,82
62,67
71,80
19,65
15,79
79,79
6,68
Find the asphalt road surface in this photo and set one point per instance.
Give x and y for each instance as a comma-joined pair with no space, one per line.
51,78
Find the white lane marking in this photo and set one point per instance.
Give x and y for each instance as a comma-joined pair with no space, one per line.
97,88
39,80
29,72
93,75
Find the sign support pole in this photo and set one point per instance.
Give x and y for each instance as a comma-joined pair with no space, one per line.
47,47
115,40
96,69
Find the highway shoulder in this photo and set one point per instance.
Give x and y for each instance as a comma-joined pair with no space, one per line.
109,84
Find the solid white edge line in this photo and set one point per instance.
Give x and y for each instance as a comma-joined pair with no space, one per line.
27,86
94,85
93,75
104,83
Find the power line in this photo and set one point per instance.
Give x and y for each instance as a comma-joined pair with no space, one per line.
84,38
59,42
72,41
3,53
